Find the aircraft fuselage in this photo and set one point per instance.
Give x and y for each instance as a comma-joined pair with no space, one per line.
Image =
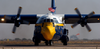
48,28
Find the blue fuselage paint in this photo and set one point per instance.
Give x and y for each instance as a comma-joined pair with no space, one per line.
37,32
59,32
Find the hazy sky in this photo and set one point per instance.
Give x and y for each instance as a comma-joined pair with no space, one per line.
41,6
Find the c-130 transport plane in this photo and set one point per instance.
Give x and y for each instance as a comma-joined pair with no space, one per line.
50,27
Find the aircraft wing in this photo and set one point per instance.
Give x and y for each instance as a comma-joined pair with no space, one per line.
73,18
11,18
19,19
70,19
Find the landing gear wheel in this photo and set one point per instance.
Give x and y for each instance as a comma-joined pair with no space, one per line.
65,42
67,38
33,39
36,41
48,43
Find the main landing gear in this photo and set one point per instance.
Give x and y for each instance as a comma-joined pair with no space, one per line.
64,41
36,41
65,38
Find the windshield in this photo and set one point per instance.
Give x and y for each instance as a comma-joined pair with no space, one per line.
55,20
41,21
48,20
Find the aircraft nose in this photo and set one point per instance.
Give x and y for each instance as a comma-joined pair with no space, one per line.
48,32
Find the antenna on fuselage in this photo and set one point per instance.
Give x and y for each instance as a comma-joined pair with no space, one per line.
52,9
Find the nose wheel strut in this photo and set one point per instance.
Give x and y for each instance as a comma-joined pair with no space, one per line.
49,42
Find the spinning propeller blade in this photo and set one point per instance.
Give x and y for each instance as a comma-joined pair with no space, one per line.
78,12
90,14
14,29
75,24
88,28
19,11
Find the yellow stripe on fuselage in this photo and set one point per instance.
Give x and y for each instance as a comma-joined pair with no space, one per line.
38,24
48,29
59,24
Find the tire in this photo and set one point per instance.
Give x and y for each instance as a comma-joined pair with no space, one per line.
50,43
46,43
36,41
33,39
67,38
64,42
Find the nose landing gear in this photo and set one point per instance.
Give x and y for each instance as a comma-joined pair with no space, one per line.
49,42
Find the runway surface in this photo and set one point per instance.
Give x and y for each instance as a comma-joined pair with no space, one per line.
56,45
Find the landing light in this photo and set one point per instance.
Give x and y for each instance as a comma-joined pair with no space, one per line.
2,19
98,19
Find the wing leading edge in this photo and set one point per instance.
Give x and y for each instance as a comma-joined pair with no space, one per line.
70,18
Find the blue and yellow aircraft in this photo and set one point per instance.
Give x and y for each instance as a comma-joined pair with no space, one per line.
50,27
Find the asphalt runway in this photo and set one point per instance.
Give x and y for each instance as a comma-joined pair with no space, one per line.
56,45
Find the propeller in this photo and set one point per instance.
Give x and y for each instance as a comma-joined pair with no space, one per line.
83,19
14,29
88,28
17,20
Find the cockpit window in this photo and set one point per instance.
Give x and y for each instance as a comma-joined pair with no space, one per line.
44,20
41,21
48,20
51,20
55,20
